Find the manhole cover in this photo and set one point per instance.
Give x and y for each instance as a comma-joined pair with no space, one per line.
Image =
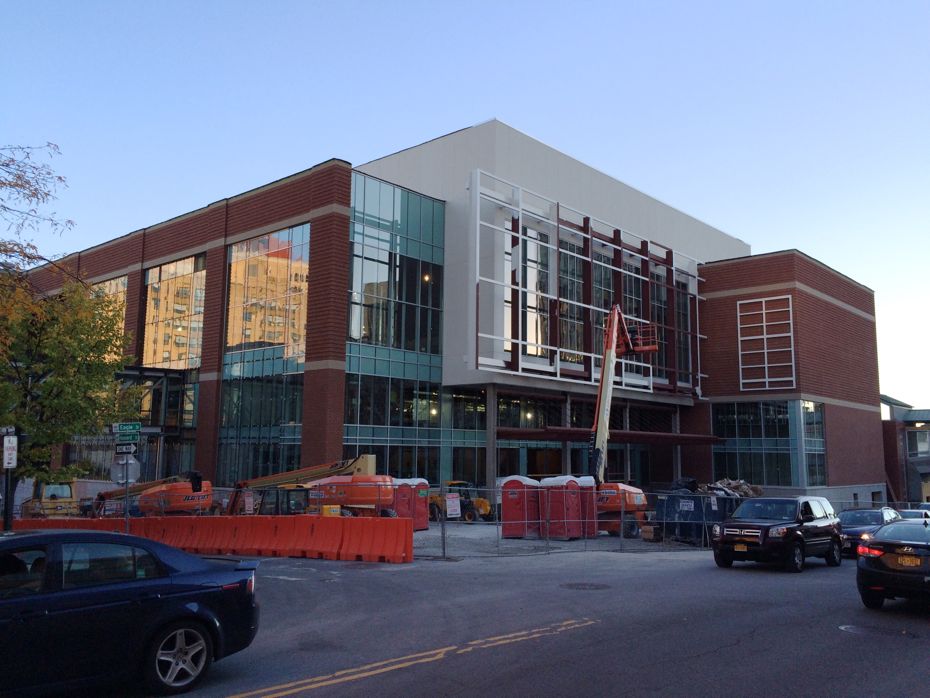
886,632
584,586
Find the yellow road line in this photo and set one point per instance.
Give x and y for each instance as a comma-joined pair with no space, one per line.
382,667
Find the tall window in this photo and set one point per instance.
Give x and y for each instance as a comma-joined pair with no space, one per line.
396,274
267,299
571,314
174,310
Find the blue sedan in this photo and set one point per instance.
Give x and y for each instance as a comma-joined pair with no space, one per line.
81,607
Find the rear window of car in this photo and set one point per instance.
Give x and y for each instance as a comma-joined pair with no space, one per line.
22,572
89,564
861,518
774,509
911,532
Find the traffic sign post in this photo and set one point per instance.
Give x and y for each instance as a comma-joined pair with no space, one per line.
127,436
10,455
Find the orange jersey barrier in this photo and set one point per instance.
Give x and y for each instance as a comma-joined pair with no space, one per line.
369,539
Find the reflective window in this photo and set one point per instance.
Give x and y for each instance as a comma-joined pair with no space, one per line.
174,313
88,564
267,296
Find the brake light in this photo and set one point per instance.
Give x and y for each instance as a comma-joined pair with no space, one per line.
866,550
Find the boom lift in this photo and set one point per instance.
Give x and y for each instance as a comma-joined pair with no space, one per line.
616,501
179,494
352,484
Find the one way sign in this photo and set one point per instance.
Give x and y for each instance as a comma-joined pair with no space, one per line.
126,448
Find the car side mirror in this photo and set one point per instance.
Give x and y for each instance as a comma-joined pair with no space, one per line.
807,518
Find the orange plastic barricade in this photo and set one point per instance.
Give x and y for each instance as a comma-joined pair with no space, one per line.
327,535
302,536
245,535
259,537
282,537
377,540
217,534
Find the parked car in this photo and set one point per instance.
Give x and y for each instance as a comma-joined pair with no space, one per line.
83,607
924,506
895,562
783,530
914,514
859,524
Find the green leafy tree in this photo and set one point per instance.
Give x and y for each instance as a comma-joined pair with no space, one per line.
58,359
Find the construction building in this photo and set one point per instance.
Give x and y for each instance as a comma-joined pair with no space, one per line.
442,308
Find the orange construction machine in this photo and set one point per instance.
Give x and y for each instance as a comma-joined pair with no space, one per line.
619,506
186,494
352,485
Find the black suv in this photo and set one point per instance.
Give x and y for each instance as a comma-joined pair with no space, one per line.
784,530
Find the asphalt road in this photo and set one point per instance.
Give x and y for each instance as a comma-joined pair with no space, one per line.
666,623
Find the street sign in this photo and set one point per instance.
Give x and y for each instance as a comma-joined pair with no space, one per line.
10,451
124,469
126,448
7,431
128,437
123,427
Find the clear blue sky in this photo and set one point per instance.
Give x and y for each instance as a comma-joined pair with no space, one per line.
787,124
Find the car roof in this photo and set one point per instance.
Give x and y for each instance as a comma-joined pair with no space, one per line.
175,558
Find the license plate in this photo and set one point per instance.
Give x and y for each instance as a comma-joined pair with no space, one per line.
908,561
847,544
739,548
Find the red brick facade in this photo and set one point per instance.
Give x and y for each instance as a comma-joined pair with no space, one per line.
835,353
320,195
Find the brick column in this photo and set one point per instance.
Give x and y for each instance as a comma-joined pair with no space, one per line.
327,316
211,364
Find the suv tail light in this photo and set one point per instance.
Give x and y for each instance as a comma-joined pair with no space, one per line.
866,550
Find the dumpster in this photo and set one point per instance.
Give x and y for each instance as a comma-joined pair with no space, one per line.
560,508
411,500
687,516
519,507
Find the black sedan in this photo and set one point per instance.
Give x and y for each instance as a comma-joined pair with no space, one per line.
895,563
81,607
860,524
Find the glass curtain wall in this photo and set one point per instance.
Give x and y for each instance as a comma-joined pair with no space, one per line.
266,318
760,446
393,406
174,295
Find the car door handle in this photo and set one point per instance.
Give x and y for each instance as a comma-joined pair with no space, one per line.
148,597
28,615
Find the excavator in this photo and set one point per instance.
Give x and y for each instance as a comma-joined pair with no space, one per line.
352,485
619,506
179,494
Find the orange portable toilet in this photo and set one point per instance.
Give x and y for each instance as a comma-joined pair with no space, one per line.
417,488
403,498
588,497
560,507
519,507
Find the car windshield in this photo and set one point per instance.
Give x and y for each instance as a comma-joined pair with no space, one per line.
775,509
905,531
861,518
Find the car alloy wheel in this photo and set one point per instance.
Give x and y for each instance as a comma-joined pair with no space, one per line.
179,657
795,559
834,554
